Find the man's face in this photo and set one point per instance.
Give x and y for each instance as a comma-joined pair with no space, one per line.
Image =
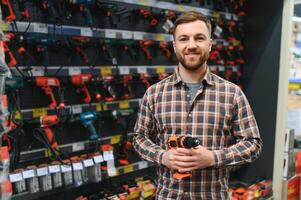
192,44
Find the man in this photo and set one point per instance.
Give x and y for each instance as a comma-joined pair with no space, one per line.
194,102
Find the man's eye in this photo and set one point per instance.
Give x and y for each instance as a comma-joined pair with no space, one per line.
200,38
182,39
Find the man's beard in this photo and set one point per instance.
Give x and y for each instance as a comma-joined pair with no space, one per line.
193,66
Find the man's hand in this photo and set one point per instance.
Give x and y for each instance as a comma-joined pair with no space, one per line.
186,160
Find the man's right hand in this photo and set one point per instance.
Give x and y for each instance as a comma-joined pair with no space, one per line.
172,157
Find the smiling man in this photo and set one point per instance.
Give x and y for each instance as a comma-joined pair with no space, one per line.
196,103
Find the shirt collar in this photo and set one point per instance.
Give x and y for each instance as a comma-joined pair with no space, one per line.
176,79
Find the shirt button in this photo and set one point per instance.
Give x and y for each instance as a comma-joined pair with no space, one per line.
186,193
188,95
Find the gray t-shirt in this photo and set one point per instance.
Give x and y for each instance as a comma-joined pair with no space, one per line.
193,89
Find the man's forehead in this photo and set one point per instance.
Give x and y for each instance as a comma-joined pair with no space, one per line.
192,28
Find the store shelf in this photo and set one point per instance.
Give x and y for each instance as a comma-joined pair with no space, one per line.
69,148
35,27
180,8
79,108
119,171
97,70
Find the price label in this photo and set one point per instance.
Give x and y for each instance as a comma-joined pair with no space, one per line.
138,36
78,146
77,166
4,25
160,37
221,68
124,104
66,168
127,35
37,72
76,109
124,70
110,33
115,139
105,106
38,112
145,2
88,162
128,168
98,159
142,164
160,70
216,14
42,171
228,16
106,71
28,174
181,8
112,172
141,70
54,169
98,107
17,115
40,28
86,32
108,155
15,177
74,71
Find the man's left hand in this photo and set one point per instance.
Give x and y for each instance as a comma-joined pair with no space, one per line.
198,158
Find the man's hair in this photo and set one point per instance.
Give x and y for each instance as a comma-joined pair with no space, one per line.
191,16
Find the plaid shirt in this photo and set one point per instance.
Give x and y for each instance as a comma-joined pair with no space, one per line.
219,114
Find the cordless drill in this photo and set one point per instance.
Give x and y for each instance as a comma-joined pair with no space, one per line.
183,142
84,8
87,119
46,122
81,80
46,83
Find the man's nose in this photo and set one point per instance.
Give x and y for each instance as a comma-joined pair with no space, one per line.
191,44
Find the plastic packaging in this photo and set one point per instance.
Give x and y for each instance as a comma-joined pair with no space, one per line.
45,181
56,174
77,171
67,174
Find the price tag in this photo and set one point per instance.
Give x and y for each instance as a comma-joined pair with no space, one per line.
228,16
216,14
88,162
98,159
105,106
54,169
86,32
124,70
106,71
110,33
160,70
138,36
38,112
28,174
15,177
98,107
221,68
74,71
115,139
160,37
66,168
77,166
76,109
127,35
141,70
112,172
145,2
124,104
128,168
181,8
78,146
108,155
37,72
142,164
42,171
4,25
234,68
40,28
17,115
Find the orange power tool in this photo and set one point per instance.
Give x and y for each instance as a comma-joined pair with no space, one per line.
46,122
